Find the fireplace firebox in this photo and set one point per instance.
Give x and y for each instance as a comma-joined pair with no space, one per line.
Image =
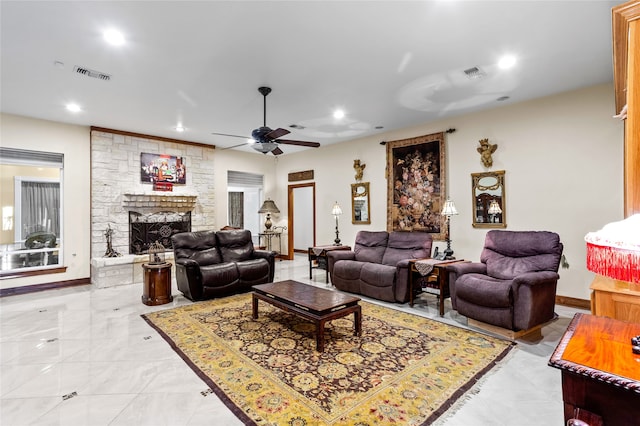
146,229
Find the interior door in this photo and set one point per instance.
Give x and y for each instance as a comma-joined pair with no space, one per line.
302,218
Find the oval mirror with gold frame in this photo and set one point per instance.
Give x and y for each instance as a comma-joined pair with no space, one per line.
360,203
487,190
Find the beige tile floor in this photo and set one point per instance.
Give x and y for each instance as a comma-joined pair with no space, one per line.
84,356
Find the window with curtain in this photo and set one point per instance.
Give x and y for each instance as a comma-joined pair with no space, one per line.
244,200
39,208
32,186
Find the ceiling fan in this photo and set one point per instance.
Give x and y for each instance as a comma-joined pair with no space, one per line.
265,139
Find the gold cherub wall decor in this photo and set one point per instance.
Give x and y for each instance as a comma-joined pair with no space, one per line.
359,168
486,149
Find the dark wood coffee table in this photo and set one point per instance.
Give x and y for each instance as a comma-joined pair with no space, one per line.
315,304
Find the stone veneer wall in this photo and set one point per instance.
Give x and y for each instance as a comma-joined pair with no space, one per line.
115,171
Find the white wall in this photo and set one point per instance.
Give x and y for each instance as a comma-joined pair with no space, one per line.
563,157
563,161
239,161
73,142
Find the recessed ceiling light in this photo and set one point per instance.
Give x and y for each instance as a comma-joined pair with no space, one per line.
338,114
113,37
179,128
507,62
73,107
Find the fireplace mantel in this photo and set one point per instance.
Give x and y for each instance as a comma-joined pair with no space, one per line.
160,201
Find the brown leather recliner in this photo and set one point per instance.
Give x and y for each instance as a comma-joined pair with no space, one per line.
213,264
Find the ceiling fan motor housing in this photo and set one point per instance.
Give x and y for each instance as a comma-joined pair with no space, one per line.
260,134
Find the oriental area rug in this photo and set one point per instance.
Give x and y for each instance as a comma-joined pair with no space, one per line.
404,369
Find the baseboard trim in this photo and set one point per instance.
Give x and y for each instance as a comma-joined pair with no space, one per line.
573,302
15,291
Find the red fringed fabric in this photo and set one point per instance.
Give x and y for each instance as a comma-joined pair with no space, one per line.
614,262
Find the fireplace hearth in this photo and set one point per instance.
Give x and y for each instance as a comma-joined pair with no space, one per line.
146,229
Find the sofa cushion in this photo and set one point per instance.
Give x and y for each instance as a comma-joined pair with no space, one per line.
378,275
370,246
235,245
406,245
481,290
219,275
253,270
200,246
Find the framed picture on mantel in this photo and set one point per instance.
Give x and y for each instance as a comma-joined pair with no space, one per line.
416,184
155,168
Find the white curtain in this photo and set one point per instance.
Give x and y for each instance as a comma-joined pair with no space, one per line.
40,208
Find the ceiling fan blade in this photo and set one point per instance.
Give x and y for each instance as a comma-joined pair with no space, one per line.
277,151
299,143
275,134
234,146
233,136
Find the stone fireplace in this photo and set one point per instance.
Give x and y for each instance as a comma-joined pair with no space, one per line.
118,197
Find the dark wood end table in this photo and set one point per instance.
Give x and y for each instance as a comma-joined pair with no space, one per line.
157,284
312,303
437,282
319,254
600,373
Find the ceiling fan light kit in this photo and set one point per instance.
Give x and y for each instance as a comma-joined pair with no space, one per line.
265,139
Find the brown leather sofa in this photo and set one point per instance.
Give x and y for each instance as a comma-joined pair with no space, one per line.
378,265
213,264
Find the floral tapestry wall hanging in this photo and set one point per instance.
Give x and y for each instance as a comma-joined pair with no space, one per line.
416,184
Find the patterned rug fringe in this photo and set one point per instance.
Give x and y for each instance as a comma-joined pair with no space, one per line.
471,393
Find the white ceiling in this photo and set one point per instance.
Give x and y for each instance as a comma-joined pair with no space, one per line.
386,63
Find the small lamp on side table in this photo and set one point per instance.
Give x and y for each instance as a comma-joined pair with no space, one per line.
336,211
268,207
448,210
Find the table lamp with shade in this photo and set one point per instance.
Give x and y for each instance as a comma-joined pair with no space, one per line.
448,210
268,207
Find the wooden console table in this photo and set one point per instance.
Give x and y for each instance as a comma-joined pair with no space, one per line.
600,373
157,284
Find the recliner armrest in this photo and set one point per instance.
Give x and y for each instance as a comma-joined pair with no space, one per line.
189,278
336,255
404,263
462,268
264,254
455,270
536,278
188,263
270,257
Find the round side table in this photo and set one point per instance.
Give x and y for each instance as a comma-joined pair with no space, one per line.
157,284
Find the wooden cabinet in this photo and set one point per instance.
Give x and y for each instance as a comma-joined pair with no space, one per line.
626,67
615,299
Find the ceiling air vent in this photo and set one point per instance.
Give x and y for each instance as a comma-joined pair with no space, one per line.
91,73
474,73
